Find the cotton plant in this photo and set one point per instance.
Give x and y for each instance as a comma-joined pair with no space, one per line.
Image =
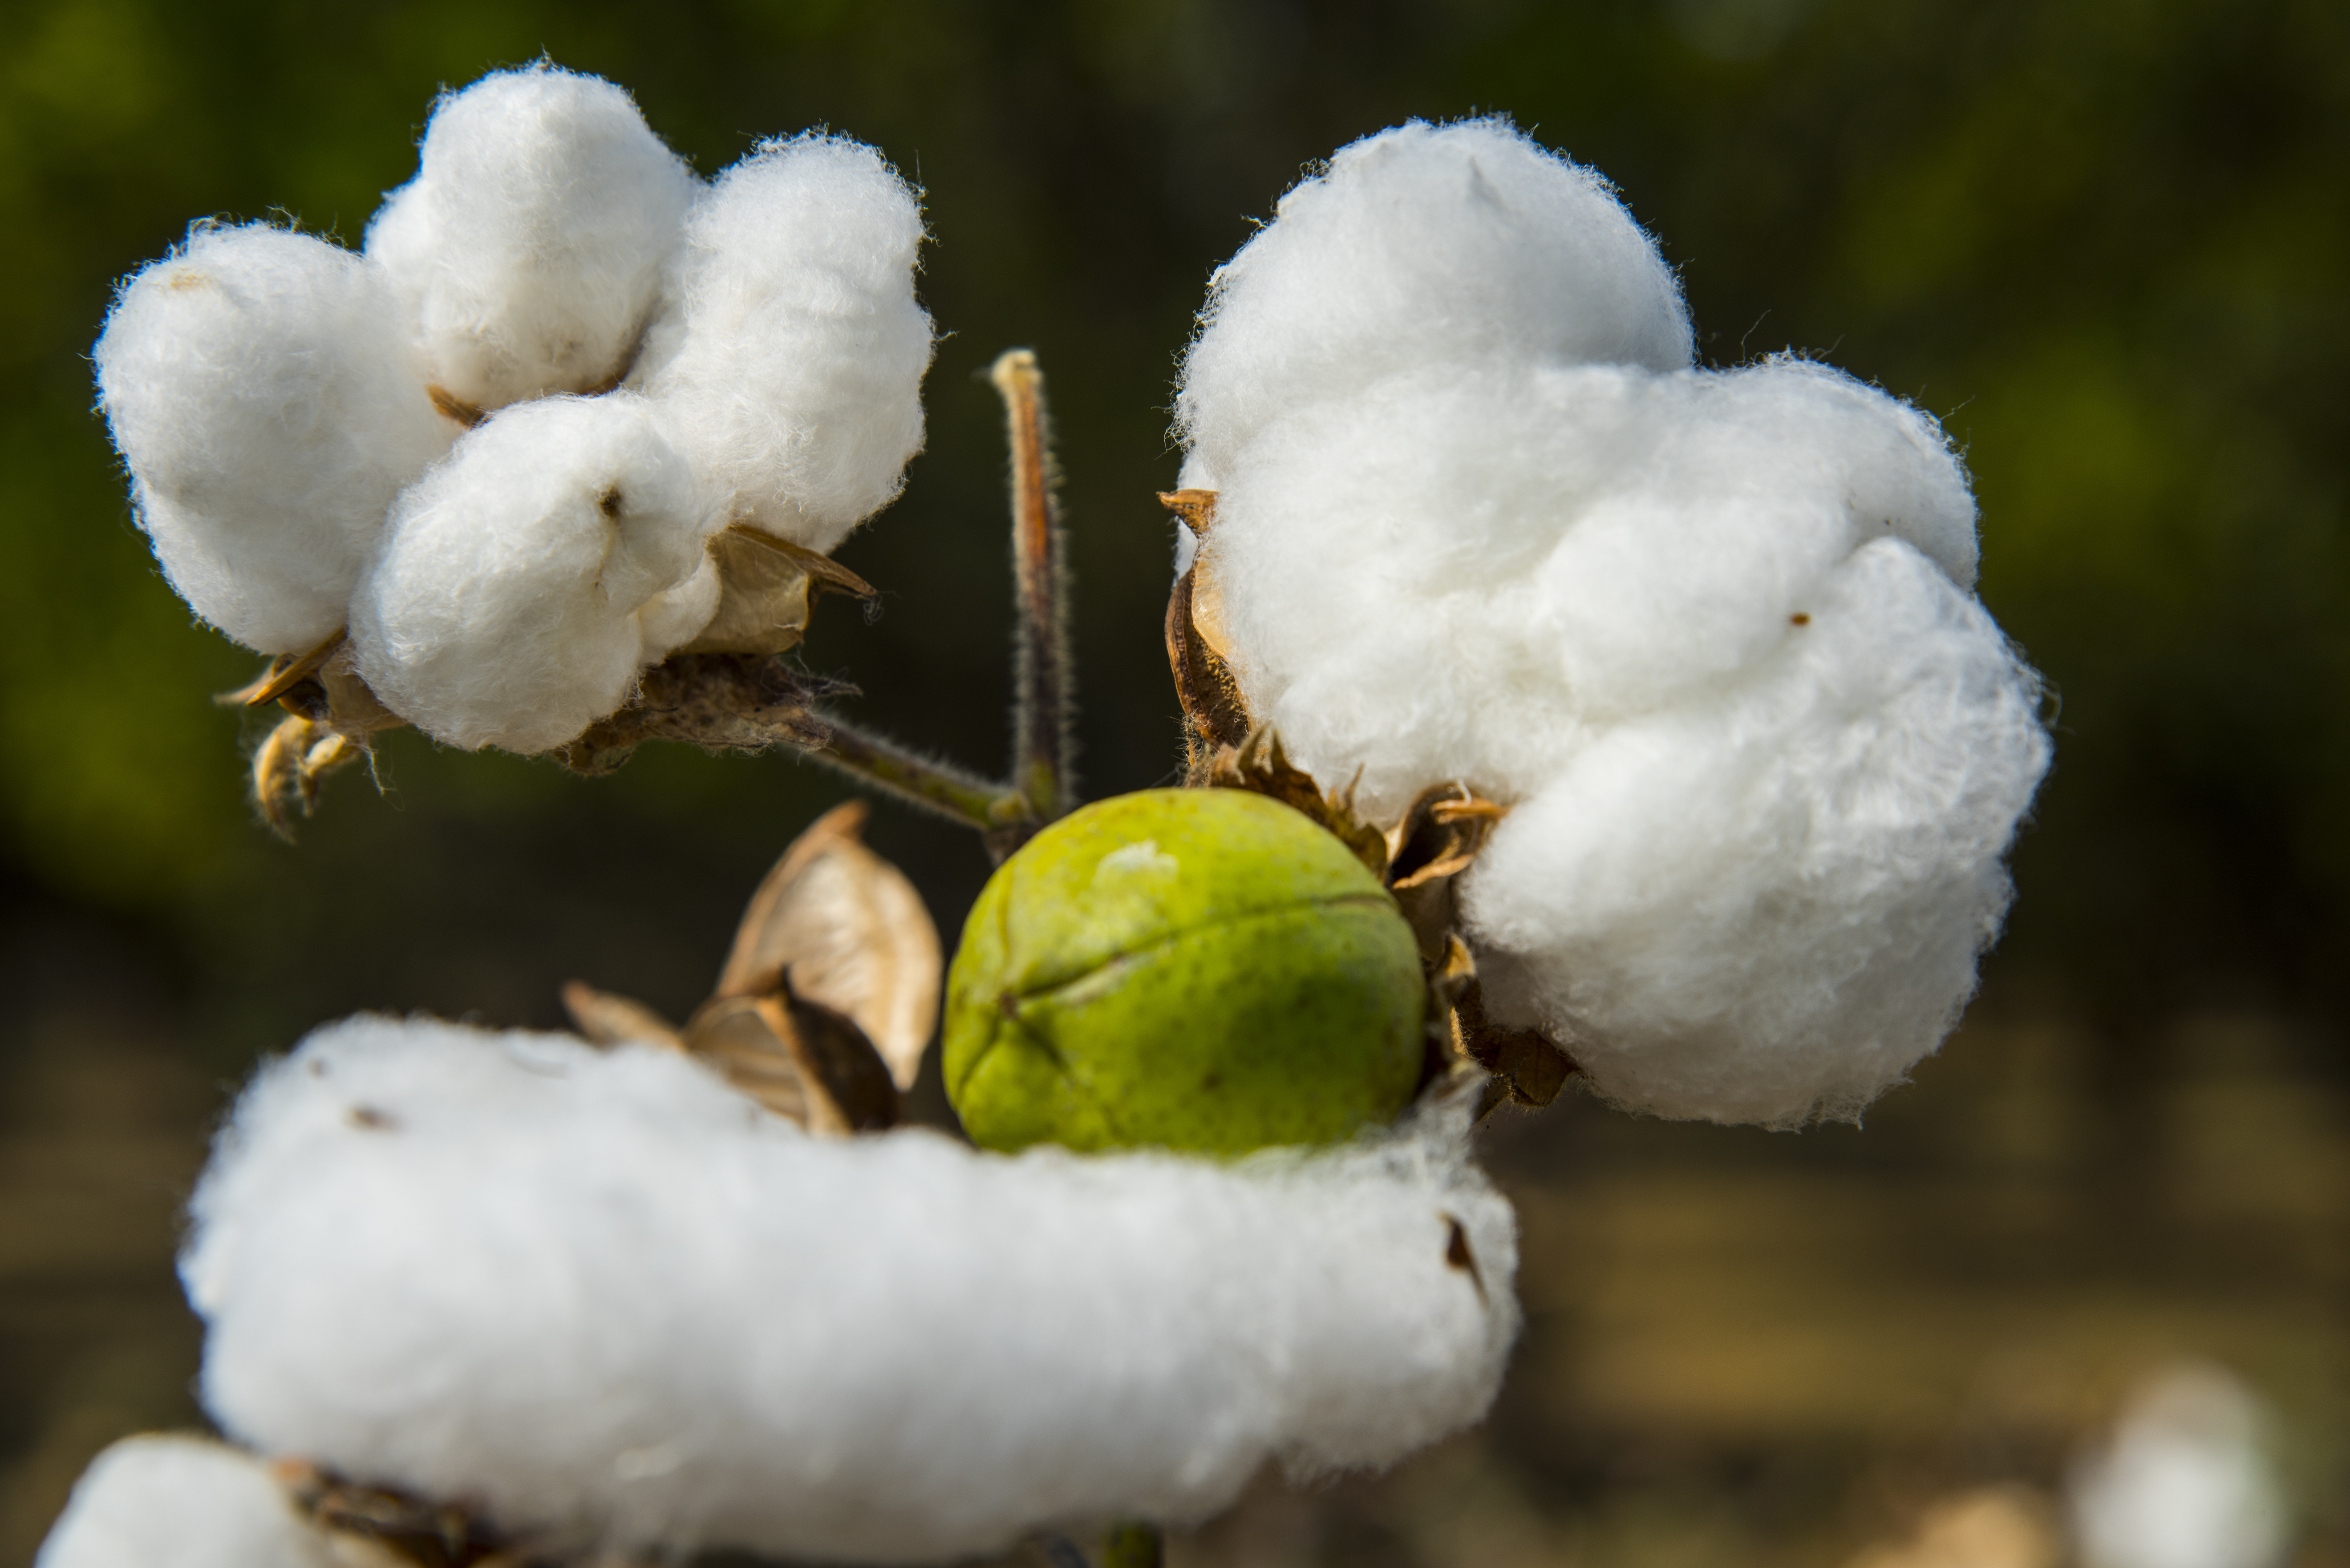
1665,686
572,413
1553,706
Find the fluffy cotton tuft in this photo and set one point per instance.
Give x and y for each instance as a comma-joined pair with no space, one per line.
169,1501
2185,1481
269,406
523,584
790,361
1707,633
1459,244
529,246
603,1294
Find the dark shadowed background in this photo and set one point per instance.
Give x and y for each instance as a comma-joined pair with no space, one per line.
2107,242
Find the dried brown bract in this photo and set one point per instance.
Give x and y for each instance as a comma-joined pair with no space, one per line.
1259,764
371,1527
828,998
767,588
848,931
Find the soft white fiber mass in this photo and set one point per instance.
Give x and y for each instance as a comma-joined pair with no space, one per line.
266,402
1459,244
172,1501
604,1295
1707,633
788,361
529,246
523,584
2185,1480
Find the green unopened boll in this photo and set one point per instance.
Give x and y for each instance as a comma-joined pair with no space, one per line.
1201,969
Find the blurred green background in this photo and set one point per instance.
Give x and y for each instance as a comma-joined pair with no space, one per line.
2107,242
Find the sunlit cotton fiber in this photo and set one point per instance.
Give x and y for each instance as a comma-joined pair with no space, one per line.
1461,244
604,1295
173,1501
269,408
523,584
529,246
789,361
1707,633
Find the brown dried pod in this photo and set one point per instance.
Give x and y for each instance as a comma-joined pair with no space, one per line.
606,1018
373,1527
767,586
1525,1064
849,933
798,1058
1439,837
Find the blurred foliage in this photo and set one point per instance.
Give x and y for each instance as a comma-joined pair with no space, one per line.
2105,240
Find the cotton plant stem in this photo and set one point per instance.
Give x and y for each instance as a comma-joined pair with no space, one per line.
1041,773
907,775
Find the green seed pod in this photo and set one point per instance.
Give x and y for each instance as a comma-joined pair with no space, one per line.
1201,969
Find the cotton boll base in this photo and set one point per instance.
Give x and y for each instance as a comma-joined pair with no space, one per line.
529,246
788,363
269,408
172,1501
523,584
604,1294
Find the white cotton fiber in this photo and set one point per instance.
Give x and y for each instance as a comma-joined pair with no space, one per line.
529,246
523,584
788,361
1461,244
172,1501
1766,900
603,1294
268,405
2185,1480
1706,633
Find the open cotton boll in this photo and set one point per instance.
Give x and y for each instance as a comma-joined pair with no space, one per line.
269,408
603,1294
788,361
522,585
1458,575
529,245
1420,246
1766,901
173,1501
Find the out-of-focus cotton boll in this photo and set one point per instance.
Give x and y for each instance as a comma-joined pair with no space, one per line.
269,407
788,361
2185,1481
1462,245
530,244
1766,900
160,1501
604,1295
521,585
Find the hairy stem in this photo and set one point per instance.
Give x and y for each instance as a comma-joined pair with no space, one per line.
1041,771
937,786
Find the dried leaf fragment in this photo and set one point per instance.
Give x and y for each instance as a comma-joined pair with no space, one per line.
849,933
290,766
800,1060
606,1018
373,1525
768,587
1531,1068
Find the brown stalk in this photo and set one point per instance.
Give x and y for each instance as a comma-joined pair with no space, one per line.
1042,772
